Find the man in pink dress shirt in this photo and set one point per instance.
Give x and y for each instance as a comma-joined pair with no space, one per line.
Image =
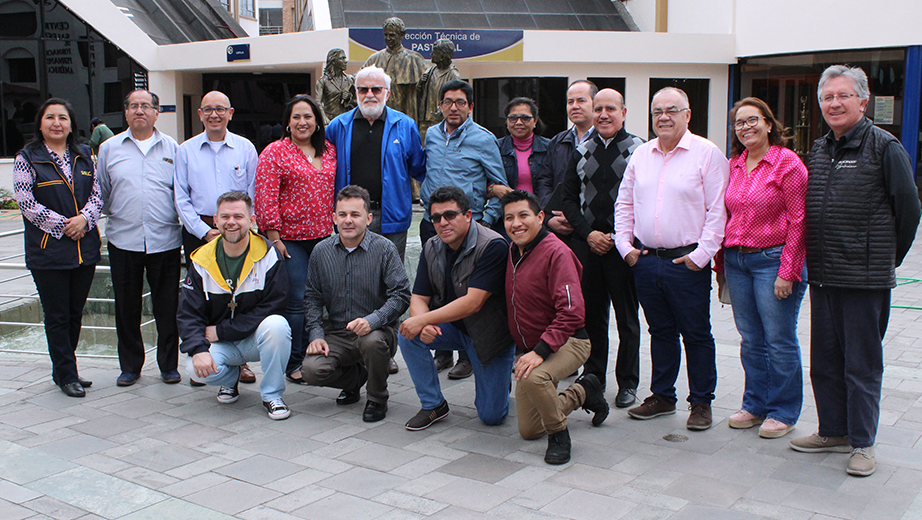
669,222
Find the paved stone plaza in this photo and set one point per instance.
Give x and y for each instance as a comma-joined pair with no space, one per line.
155,451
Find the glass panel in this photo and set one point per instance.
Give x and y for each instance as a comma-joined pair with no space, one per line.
492,94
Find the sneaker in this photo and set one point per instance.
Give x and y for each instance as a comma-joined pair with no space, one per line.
426,418
772,429
700,417
742,420
463,370
558,447
653,406
277,409
862,462
818,444
228,394
595,400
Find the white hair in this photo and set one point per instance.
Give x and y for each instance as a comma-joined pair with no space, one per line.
372,71
856,74
672,89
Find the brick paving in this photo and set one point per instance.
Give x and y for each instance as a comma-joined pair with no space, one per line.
156,451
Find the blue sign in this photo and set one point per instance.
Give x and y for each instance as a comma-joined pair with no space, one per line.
167,108
470,44
238,52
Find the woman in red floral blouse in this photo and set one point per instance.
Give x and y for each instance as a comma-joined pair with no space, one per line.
294,205
763,259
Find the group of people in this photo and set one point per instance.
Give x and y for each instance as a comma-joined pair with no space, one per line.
527,243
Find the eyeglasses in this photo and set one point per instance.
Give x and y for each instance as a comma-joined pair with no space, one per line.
447,215
374,90
739,124
670,111
829,98
214,110
147,107
447,103
515,118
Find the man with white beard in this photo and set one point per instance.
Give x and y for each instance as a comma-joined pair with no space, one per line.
379,149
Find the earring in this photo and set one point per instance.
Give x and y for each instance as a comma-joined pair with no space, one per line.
288,129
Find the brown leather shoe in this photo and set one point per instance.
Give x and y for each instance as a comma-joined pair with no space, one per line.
392,367
653,406
700,417
246,375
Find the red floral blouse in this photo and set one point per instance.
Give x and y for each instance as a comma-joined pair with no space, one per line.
292,197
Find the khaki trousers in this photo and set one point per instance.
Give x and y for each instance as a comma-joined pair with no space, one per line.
540,408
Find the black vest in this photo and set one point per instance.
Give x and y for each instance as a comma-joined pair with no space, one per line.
488,328
851,227
52,190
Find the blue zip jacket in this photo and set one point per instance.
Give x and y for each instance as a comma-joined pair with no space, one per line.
468,159
402,157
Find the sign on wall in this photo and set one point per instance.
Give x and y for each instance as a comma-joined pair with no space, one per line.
470,45
238,52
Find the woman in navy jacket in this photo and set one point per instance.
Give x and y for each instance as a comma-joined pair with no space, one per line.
56,188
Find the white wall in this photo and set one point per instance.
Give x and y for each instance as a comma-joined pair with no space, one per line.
643,12
789,26
701,17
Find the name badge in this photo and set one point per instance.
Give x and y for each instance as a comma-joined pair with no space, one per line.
168,160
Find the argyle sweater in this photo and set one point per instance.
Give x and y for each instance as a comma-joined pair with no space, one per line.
590,185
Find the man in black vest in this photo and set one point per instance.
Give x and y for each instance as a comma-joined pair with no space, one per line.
458,303
862,212
590,188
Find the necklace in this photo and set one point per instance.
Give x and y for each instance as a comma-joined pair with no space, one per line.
522,149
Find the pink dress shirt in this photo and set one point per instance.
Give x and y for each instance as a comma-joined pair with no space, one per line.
674,199
766,207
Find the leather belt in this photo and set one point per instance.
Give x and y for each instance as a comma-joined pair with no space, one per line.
750,250
662,252
208,220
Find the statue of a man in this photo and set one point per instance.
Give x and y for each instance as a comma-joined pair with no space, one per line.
402,65
335,89
428,112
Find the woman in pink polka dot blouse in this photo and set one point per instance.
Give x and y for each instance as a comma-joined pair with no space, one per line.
763,262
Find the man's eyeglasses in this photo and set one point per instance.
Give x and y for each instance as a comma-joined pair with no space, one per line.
364,90
214,110
515,118
447,103
670,111
739,124
829,98
447,215
147,107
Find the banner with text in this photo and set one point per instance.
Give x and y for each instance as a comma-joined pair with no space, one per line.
470,45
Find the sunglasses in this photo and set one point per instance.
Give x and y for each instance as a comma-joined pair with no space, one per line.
364,90
447,215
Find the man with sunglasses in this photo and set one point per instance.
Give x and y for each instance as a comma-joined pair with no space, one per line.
590,187
458,303
669,223
461,153
214,162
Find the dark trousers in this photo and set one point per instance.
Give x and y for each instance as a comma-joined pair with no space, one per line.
847,329
127,268
608,281
63,294
427,231
190,243
676,300
351,358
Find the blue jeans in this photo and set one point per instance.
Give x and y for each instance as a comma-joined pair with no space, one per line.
676,300
769,351
270,345
300,252
492,382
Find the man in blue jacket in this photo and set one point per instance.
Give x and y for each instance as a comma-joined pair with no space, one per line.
379,149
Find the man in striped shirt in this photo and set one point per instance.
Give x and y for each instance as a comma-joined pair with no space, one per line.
358,276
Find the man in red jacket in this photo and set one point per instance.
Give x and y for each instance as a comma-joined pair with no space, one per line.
546,317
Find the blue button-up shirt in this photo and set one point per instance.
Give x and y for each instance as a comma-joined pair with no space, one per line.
137,191
201,176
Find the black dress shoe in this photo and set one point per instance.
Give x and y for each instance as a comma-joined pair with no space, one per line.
392,367
348,397
296,380
626,397
374,412
558,447
73,390
85,383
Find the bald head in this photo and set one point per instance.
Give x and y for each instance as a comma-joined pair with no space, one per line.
608,112
215,112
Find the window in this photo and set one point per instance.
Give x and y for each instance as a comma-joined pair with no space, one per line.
270,21
697,92
248,8
492,94
22,70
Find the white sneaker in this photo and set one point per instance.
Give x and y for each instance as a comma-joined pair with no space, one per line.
277,408
228,394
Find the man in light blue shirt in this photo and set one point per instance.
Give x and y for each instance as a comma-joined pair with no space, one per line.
135,171
207,166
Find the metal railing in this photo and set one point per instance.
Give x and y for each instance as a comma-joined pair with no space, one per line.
12,298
